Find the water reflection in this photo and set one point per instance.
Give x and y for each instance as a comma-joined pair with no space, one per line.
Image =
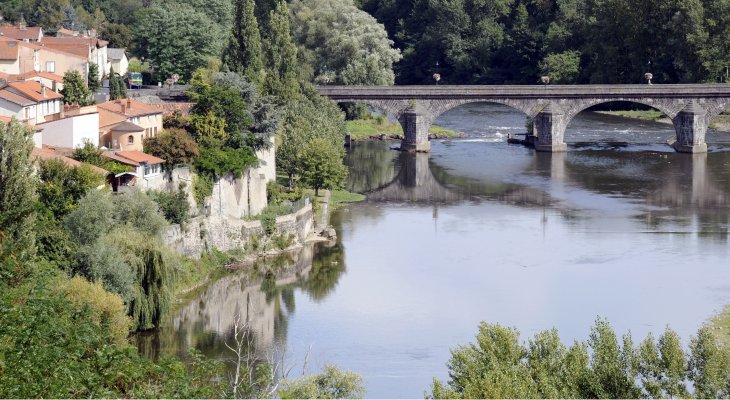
264,299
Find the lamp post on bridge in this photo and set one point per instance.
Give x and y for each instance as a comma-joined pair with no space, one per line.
436,75
648,75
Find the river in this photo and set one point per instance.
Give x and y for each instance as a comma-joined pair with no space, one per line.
620,227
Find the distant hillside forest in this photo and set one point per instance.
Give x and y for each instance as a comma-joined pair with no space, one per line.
464,41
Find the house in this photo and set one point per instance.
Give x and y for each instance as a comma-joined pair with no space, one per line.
52,153
146,174
29,101
93,50
17,57
22,32
72,128
118,60
125,123
47,79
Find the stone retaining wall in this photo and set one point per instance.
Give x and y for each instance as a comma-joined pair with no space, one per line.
224,233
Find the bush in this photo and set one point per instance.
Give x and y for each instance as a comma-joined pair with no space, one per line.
93,217
106,309
202,188
283,241
268,222
277,194
102,261
136,209
174,206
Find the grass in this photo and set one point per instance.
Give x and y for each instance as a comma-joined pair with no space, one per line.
648,115
363,129
340,197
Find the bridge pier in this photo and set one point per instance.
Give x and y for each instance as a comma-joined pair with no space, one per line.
416,122
691,127
549,127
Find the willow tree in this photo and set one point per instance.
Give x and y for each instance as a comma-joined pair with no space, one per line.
155,269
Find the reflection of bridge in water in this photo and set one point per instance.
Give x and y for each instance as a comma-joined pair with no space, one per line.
685,181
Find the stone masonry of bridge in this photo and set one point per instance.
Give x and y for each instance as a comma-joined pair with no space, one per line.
552,107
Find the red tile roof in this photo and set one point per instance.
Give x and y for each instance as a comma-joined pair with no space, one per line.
32,90
132,108
8,50
5,119
134,158
32,74
51,153
140,157
16,98
14,32
108,118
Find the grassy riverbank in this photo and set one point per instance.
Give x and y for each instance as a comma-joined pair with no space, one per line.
363,129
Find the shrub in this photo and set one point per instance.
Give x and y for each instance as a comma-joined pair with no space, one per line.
268,222
136,209
202,188
174,206
106,309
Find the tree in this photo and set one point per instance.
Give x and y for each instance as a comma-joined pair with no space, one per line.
174,145
561,68
243,54
17,197
118,35
74,89
114,89
177,38
708,365
93,79
281,55
332,383
136,209
61,186
308,118
335,37
321,165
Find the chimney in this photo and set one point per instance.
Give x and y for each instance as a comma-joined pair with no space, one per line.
43,90
124,109
129,104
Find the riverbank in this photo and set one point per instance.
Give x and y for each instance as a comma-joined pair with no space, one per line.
381,128
720,123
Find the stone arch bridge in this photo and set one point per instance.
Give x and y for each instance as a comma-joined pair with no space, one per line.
552,107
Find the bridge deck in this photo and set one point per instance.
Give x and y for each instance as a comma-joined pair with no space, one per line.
524,91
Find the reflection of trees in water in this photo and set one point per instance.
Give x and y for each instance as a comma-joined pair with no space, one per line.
372,165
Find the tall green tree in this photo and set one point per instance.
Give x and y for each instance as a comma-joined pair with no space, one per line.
281,57
114,90
176,38
93,78
17,198
74,89
243,54
321,166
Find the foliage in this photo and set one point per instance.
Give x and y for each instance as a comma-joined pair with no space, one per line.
117,89
174,206
136,209
268,221
498,365
61,185
281,57
102,261
309,118
154,267
218,161
332,383
93,79
277,194
176,38
118,36
17,197
174,145
321,165
363,129
106,309
342,44
93,217
243,54
562,67
202,188
74,89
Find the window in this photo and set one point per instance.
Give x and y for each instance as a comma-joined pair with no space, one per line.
155,131
50,66
151,169
131,139
26,113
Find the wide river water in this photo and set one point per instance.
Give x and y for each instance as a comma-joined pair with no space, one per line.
620,227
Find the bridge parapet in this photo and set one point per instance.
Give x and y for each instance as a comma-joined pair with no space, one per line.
551,106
